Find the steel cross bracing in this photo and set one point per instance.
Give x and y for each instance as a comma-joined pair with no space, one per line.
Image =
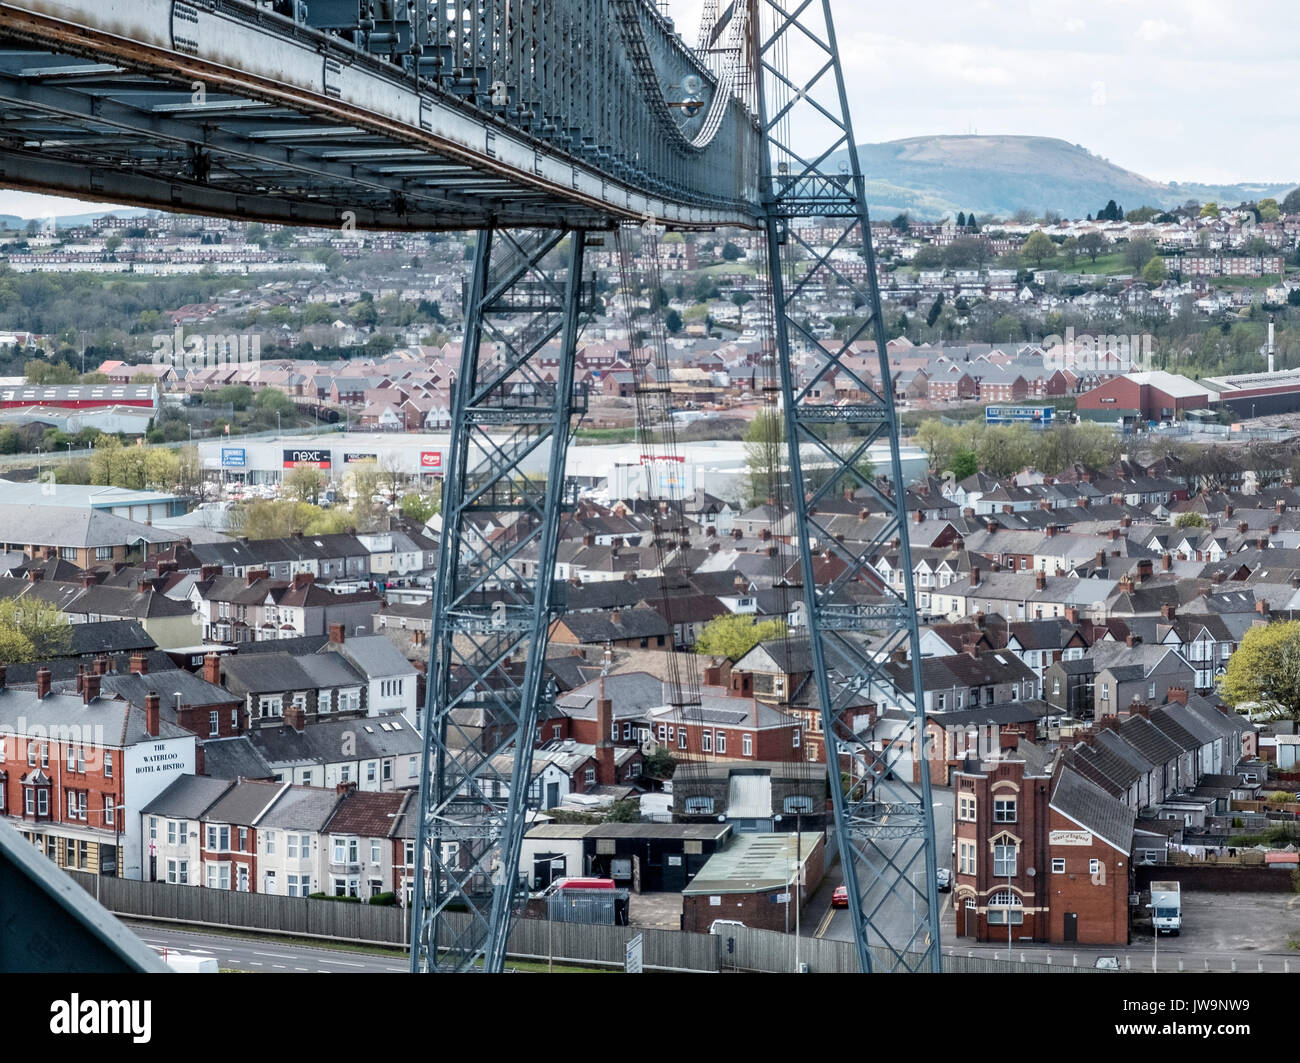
490,616
817,228
424,114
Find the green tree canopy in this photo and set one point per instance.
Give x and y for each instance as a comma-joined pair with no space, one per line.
1265,670
32,630
1190,519
735,635
1154,272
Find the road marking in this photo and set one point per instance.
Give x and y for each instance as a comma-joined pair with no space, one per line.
256,963
343,963
279,967
274,955
300,968
825,924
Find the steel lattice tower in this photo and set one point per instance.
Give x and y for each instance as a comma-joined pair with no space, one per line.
491,619
816,210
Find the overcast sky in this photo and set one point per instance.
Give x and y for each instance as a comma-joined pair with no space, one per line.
1176,90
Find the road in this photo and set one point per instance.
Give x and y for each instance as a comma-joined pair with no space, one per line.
265,955
897,916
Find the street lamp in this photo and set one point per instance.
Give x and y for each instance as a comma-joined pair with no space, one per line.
1155,939
117,840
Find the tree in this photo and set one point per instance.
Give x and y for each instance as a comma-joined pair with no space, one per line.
730,252
1154,272
764,454
1005,449
936,308
1291,203
972,224
1293,297
1190,519
902,224
673,321
964,463
938,442
1091,244
961,219
1265,669
304,484
39,371
32,630
735,634
1110,212
1138,253
928,257
1070,249
1269,210
419,508
740,299
1038,248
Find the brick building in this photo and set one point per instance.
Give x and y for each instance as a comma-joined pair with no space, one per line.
746,881
1037,867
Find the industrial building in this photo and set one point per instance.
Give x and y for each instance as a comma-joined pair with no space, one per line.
1150,396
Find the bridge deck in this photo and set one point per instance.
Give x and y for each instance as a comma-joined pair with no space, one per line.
224,108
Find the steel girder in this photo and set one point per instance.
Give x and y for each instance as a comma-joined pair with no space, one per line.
464,114
491,618
816,212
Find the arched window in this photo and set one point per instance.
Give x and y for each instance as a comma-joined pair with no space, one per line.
1005,907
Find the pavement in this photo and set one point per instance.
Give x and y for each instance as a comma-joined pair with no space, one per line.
265,955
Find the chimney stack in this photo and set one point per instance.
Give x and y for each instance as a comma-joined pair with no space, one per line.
1168,611
90,688
1144,568
1040,581
1261,607
151,727
1131,640
605,771
212,669
1178,694
974,576
42,682
1166,562
295,716
338,632
139,664
1072,614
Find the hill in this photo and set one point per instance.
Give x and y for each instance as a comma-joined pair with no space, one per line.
998,175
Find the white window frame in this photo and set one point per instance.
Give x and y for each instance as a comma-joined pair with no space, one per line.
1058,865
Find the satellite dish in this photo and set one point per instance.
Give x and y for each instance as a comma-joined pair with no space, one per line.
692,85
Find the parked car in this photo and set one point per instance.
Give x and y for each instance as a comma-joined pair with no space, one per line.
719,926
943,878
840,898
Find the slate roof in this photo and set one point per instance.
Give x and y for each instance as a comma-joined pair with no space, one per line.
374,656
187,797
1093,809
374,737
244,803
124,725
234,758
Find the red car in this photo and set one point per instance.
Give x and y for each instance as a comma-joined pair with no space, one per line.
840,898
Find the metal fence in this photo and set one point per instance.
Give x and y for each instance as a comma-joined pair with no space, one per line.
738,949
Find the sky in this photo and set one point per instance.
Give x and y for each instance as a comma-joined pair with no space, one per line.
1175,90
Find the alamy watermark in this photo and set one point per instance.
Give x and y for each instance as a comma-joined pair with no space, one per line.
1106,353
206,351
